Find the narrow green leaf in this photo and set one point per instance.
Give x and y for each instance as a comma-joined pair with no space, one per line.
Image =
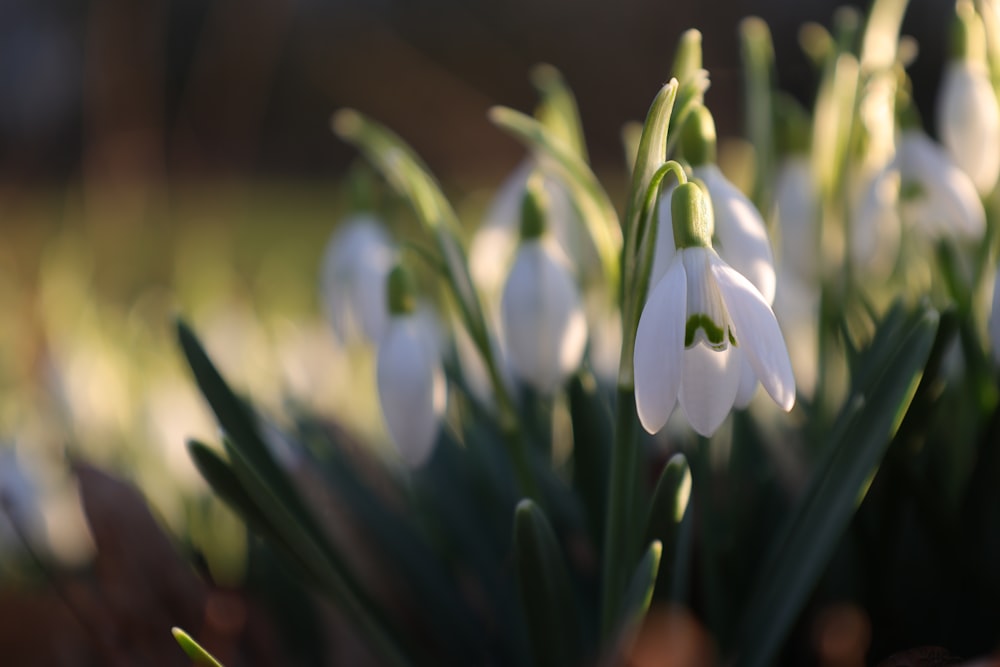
558,110
591,422
759,84
639,593
550,609
193,650
280,508
651,155
592,202
858,440
667,509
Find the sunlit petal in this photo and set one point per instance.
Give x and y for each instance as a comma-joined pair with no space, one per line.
740,231
664,251
969,121
748,381
411,387
659,344
709,383
543,319
757,334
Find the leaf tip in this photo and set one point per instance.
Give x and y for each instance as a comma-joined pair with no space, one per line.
346,123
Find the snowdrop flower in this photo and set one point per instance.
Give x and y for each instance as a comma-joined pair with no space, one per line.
968,113
920,189
356,264
541,311
411,384
701,320
739,228
495,243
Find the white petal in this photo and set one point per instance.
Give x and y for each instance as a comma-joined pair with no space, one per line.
709,385
796,211
356,264
969,122
757,334
411,387
495,242
740,231
664,251
951,205
875,228
543,319
659,346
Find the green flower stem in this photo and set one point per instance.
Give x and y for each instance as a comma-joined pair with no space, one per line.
621,524
635,298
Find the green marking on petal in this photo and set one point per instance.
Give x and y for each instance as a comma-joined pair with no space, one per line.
910,191
714,335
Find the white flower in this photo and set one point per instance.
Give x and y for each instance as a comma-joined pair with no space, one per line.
495,243
969,121
542,317
920,189
740,234
796,212
702,319
356,263
411,386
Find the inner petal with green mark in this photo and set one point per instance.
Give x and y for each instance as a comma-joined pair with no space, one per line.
707,317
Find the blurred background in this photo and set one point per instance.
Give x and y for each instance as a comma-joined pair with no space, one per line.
174,157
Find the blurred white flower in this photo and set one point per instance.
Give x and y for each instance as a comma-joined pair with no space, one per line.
494,244
411,386
356,263
706,333
969,121
920,189
796,214
543,318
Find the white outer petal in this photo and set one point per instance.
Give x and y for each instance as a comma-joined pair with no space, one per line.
659,347
796,212
875,225
757,334
739,228
951,205
543,320
411,387
969,121
664,251
710,381
356,263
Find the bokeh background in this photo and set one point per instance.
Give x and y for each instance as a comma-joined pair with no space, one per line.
174,157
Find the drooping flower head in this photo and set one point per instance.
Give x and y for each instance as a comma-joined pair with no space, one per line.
968,114
701,321
541,312
356,264
411,384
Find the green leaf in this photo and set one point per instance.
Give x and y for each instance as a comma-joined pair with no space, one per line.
550,609
592,202
279,507
857,442
759,83
591,422
652,154
667,509
199,655
639,593
558,110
